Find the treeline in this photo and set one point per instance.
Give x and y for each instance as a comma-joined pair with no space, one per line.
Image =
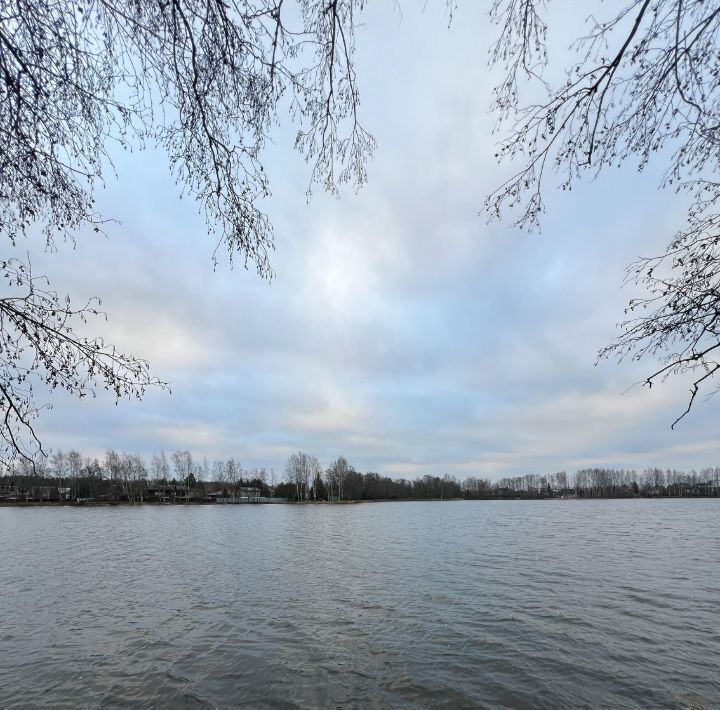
128,478
305,479
179,477
612,483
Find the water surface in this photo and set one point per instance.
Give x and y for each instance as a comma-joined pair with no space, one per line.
514,604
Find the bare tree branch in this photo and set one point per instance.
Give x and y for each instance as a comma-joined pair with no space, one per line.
205,81
645,83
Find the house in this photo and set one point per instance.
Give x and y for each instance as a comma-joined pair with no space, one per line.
167,492
243,494
13,493
41,493
707,489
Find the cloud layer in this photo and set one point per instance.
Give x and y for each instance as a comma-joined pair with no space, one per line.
401,330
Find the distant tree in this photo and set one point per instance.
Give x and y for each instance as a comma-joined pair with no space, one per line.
476,487
202,471
159,468
315,472
92,475
75,466
261,478
59,464
300,471
374,486
132,477
184,467
285,490
218,472
74,459
113,467
336,478
233,473
319,489
645,82
272,480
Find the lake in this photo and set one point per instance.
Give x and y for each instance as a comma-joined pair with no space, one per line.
497,604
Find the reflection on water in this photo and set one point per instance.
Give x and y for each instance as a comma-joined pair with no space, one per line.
540,604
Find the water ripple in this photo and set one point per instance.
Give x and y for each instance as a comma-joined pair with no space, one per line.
581,604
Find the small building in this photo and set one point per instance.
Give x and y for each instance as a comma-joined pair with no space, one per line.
42,493
166,493
708,489
243,494
12,493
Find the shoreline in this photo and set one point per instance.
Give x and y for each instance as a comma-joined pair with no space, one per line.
158,504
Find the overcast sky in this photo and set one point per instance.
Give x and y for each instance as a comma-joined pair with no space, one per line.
401,331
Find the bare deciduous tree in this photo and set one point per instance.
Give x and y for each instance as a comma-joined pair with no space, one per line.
75,465
335,477
300,471
645,82
183,463
160,468
233,474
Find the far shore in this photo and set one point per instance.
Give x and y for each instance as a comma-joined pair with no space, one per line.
159,504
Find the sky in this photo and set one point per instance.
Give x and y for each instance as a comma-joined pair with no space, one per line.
401,330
